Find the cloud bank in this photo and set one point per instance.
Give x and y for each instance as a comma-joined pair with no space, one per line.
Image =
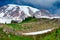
52,5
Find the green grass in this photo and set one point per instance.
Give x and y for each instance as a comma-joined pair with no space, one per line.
4,36
12,37
30,19
18,26
33,24
14,26
54,35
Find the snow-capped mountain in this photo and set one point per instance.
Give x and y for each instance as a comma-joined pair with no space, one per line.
19,13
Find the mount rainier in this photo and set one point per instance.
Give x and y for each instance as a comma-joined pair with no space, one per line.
19,13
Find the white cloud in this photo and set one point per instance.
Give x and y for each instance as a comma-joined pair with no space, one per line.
41,2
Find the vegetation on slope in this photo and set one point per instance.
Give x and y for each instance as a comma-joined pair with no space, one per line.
33,24
29,25
54,35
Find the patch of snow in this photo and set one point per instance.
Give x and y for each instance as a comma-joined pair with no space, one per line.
5,20
34,9
1,14
38,32
25,10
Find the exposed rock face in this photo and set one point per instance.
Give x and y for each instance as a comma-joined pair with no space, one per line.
19,13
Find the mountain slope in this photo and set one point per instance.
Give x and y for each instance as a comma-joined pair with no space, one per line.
19,13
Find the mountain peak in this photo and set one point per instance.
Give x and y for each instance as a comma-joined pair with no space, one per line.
19,13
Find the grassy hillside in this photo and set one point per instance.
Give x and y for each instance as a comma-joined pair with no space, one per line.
55,35
12,31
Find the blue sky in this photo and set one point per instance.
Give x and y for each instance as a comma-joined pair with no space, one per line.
52,5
